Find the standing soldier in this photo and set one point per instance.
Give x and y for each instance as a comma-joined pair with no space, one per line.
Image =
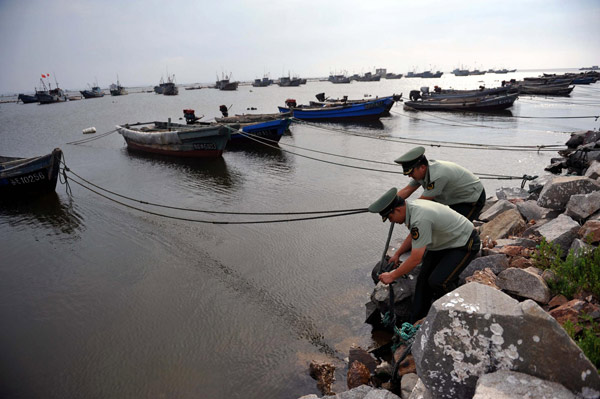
440,238
444,182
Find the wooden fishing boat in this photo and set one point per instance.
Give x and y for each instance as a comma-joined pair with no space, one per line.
94,92
365,111
27,99
29,176
264,82
485,104
286,81
225,84
328,102
176,140
117,89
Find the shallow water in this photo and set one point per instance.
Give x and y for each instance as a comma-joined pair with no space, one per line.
101,300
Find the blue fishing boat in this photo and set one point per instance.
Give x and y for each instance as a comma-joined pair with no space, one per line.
29,176
364,111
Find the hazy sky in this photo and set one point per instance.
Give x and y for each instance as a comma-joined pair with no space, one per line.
79,41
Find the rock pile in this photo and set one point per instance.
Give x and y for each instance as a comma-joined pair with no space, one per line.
500,334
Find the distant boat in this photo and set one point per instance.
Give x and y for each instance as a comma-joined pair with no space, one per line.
592,68
286,81
460,72
225,84
169,88
485,104
55,95
94,92
367,77
117,89
264,82
339,79
370,110
176,140
29,176
390,75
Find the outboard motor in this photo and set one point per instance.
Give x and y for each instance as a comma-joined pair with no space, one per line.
190,116
320,97
414,95
224,110
437,89
290,103
425,89
344,99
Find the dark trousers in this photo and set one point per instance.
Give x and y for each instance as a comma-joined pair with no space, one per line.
470,210
439,274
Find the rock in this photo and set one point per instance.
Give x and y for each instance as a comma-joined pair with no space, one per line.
475,330
582,138
505,384
530,210
511,193
524,283
581,206
324,374
568,311
496,263
591,230
593,171
558,300
358,374
407,384
516,250
420,391
520,241
485,276
384,369
561,231
496,209
556,194
364,392
549,276
579,247
520,262
536,185
507,223
488,203
362,356
407,365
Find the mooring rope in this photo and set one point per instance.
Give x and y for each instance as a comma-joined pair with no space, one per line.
96,137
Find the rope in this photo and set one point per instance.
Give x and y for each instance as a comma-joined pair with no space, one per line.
87,140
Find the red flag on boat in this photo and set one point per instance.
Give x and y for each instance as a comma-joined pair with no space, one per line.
43,76
47,75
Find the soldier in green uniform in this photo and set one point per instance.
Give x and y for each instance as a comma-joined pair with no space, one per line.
444,182
440,238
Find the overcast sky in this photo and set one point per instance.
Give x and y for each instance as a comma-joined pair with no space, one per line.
79,41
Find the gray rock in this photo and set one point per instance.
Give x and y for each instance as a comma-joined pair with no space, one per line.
357,353
488,203
556,193
579,246
524,283
364,392
562,231
496,263
507,223
496,209
505,384
581,206
475,330
518,241
593,171
420,391
530,210
508,193
535,186
407,384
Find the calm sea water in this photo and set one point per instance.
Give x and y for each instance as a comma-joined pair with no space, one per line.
102,301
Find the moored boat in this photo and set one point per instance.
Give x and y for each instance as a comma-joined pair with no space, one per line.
27,99
117,89
286,81
94,92
225,84
264,82
176,140
29,176
481,103
370,110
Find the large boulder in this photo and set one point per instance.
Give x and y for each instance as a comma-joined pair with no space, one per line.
524,283
475,330
511,193
363,392
556,193
562,231
581,206
496,209
506,384
593,171
507,223
496,263
590,230
530,210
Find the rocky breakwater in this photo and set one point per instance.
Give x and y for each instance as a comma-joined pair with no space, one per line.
503,332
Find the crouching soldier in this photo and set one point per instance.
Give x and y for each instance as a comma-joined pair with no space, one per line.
441,239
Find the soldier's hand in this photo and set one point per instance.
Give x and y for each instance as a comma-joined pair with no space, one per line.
386,278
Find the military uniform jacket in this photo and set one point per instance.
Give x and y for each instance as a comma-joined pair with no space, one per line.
449,183
436,226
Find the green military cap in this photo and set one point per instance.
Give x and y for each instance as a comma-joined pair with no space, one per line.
386,203
411,159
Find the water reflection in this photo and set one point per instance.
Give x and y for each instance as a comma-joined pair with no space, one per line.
197,172
47,211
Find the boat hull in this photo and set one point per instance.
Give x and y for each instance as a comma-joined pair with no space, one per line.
367,111
29,176
203,142
495,103
270,130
